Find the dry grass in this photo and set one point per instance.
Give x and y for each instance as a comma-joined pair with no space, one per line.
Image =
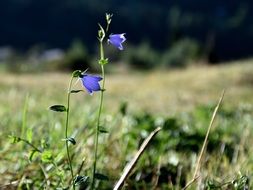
159,92
163,92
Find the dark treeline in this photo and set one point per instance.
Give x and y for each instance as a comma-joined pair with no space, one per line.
223,28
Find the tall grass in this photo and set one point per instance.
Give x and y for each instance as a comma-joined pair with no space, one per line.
170,159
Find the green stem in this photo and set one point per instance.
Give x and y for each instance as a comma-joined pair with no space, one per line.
102,53
66,131
99,115
30,144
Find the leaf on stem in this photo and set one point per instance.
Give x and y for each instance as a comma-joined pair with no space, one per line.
71,140
103,61
58,108
108,17
75,91
103,130
14,139
101,33
77,73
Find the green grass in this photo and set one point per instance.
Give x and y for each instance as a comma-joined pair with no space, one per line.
180,101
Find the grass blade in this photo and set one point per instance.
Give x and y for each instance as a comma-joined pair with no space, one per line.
133,162
196,176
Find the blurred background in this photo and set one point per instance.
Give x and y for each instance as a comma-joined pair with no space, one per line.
61,35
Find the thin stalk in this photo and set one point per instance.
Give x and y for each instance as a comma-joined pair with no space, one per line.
30,144
198,164
130,166
101,52
66,130
80,167
99,115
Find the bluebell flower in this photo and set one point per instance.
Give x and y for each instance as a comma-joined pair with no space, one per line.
117,40
91,82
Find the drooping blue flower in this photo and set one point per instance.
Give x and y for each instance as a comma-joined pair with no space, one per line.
117,40
91,82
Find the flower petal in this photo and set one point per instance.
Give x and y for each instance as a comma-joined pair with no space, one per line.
117,40
91,83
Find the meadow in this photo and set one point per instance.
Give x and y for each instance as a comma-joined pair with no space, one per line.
180,101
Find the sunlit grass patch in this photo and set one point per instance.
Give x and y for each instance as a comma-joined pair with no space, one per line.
180,101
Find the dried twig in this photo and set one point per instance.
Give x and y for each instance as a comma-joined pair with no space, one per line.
131,165
196,176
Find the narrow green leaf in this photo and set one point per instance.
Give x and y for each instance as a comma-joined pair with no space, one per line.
100,176
58,108
75,91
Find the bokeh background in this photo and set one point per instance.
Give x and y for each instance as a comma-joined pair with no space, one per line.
172,32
